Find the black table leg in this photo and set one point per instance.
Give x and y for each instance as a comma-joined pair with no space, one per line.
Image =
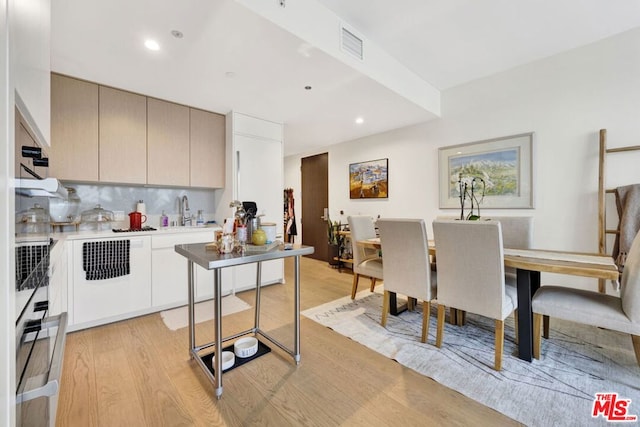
393,305
528,283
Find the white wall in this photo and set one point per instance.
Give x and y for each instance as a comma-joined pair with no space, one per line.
564,99
7,270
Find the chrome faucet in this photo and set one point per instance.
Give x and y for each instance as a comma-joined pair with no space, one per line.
185,212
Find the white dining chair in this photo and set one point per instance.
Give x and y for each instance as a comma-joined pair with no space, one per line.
594,308
407,268
470,261
366,262
517,233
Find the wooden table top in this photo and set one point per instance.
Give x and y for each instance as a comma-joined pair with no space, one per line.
550,261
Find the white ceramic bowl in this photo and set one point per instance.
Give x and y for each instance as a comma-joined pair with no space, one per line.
228,359
246,347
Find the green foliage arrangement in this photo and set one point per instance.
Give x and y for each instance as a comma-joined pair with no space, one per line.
333,232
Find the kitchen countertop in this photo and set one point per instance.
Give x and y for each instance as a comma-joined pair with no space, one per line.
92,234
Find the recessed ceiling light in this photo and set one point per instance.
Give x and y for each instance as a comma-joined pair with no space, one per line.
359,120
152,44
177,34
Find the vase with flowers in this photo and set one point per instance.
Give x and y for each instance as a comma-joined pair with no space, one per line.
469,187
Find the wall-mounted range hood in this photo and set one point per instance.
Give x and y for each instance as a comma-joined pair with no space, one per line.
47,187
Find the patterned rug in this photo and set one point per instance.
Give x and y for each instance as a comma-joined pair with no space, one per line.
577,361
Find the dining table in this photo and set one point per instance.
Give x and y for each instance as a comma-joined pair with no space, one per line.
529,264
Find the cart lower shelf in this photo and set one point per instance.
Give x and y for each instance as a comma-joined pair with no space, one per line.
207,359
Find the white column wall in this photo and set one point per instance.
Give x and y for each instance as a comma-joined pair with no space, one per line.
7,271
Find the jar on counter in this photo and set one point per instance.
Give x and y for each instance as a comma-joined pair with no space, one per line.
97,219
65,211
34,220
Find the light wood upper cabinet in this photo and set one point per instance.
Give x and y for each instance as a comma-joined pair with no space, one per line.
207,149
167,143
24,137
74,129
102,134
123,136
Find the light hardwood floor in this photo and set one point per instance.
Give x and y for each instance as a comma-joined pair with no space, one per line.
138,373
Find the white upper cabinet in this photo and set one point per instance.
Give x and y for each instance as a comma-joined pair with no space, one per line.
31,64
253,126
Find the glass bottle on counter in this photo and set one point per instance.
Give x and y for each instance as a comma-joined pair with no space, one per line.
200,219
164,220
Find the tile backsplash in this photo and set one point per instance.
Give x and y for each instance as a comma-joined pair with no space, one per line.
124,198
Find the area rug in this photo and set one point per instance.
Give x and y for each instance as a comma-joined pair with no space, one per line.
577,361
178,318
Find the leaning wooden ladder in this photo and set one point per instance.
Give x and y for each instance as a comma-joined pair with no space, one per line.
602,191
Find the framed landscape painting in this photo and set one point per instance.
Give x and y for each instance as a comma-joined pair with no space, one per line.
502,165
369,180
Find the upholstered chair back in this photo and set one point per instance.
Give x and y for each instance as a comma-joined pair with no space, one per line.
362,228
630,287
405,251
470,262
517,231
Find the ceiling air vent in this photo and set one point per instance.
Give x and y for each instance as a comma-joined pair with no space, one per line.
351,44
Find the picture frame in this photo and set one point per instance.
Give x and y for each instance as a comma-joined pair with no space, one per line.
369,180
503,166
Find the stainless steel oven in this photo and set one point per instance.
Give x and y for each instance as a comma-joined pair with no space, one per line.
39,334
40,338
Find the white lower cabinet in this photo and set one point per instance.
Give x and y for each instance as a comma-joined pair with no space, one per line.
104,300
157,279
169,271
168,277
204,282
246,275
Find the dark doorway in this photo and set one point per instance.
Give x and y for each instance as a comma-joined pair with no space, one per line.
315,200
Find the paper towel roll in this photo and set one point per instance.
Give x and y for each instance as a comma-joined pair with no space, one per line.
140,207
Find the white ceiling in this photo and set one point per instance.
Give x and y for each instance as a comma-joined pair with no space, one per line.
447,43
450,42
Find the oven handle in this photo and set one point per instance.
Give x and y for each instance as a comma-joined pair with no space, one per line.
53,379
